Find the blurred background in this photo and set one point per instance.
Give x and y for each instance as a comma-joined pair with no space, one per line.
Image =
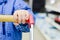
47,19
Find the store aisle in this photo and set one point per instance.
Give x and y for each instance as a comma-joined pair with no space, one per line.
37,35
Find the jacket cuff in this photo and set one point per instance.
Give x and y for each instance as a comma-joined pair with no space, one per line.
23,27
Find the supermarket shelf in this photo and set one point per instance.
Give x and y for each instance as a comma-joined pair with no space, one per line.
49,20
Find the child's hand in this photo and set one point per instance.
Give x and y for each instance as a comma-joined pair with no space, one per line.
21,16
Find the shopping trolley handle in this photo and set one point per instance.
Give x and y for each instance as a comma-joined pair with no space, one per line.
9,18
31,20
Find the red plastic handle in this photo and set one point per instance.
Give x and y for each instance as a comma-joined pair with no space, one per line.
30,21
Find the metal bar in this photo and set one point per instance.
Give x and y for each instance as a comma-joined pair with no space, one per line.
31,32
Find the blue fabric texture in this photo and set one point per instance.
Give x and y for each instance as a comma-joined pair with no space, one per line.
7,29
2,1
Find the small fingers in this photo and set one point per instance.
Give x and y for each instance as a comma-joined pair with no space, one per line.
19,18
23,19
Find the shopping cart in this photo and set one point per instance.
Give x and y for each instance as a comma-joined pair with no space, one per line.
9,18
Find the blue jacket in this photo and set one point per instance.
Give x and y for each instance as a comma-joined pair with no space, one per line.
7,29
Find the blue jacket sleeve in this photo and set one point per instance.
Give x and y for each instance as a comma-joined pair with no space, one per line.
21,5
